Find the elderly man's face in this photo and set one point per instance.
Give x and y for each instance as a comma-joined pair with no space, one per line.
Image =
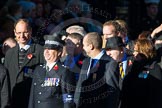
116,54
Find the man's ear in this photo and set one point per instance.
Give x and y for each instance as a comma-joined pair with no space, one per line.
15,32
91,46
60,53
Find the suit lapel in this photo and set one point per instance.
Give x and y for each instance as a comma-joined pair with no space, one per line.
97,64
82,78
84,70
16,55
85,67
98,68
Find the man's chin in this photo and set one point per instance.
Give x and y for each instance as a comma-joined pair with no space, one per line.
24,41
47,58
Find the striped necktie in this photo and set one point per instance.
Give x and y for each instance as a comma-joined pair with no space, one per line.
121,70
22,54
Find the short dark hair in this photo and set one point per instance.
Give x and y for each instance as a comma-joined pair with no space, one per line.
77,36
95,39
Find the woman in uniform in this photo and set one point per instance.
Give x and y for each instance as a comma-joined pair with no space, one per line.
52,85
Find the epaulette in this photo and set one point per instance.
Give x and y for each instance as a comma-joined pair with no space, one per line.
42,65
67,67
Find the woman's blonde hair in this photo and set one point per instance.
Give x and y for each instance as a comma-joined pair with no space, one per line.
146,47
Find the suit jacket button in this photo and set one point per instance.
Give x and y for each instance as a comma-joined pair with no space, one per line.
35,83
40,93
38,101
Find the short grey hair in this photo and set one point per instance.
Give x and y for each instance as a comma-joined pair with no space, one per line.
76,29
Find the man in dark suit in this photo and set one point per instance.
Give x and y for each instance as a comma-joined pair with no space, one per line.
98,85
20,62
52,82
5,89
115,48
75,57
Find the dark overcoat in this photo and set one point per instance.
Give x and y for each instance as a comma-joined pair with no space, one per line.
20,78
100,89
4,87
142,86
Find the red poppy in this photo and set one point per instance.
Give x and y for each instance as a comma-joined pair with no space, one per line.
130,62
29,56
55,67
80,62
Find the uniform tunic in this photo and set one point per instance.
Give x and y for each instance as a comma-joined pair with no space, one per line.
52,89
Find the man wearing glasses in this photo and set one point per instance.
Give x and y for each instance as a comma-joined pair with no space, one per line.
20,61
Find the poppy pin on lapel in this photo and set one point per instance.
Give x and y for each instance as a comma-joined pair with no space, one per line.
29,56
55,67
130,62
80,62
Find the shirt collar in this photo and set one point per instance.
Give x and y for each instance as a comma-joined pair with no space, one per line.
26,47
51,65
99,55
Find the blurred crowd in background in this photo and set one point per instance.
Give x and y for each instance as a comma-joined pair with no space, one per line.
119,41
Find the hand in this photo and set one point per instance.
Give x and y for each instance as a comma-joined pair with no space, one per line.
156,30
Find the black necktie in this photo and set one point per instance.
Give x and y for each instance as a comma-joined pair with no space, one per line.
22,50
47,68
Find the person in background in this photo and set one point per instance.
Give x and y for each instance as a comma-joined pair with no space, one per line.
110,28
75,56
20,62
127,51
99,77
156,37
70,30
5,88
150,21
144,35
28,9
124,30
13,14
7,43
115,49
76,29
52,83
142,85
